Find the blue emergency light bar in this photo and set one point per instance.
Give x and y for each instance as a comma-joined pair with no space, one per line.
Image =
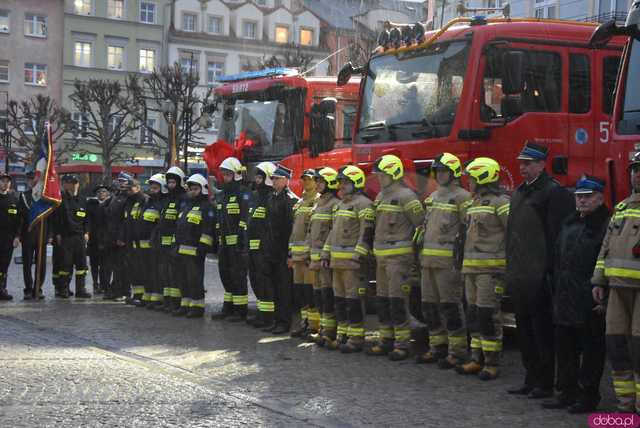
267,72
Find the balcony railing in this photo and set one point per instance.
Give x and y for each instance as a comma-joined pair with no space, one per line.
604,17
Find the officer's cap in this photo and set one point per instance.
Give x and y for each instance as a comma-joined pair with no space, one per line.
125,178
589,184
101,187
70,178
533,152
5,175
281,172
311,173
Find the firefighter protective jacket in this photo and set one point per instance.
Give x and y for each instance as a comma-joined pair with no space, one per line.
351,234
145,227
194,227
618,263
131,213
167,224
397,213
484,247
280,220
320,226
232,216
445,212
298,247
9,218
258,226
72,218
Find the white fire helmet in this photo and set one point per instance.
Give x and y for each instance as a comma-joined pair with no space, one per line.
234,165
200,180
267,168
159,179
176,172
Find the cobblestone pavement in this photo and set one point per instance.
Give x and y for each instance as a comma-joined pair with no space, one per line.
97,363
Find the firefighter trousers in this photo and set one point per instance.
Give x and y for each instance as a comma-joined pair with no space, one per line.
278,278
96,262
56,266
484,318
6,251
30,253
348,291
623,345
303,279
167,279
74,252
443,312
266,306
233,274
148,275
393,287
324,302
190,271
122,262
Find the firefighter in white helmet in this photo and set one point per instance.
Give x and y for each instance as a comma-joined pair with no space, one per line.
232,214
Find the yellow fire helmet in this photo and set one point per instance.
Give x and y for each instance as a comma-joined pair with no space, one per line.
330,176
484,170
450,162
390,165
354,174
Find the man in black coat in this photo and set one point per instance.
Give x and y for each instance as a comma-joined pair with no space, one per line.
538,208
98,238
579,321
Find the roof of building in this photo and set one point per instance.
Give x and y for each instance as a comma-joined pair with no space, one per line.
340,13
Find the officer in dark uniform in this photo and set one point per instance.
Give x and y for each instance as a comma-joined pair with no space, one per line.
278,277
72,233
9,230
29,239
166,238
232,212
98,238
537,209
194,239
134,275
116,255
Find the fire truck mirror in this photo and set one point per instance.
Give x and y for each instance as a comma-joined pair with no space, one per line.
560,165
513,68
603,33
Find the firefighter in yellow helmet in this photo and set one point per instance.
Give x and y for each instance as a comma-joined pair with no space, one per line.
299,257
319,228
346,251
483,267
398,213
441,278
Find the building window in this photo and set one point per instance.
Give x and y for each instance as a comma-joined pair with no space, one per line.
189,65
547,9
215,69
147,12
82,123
115,9
83,54
146,135
4,21
147,60
35,74
189,22
214,25
35,25
249,29
306,37
82,7
4,71
282,34
261,2
115,57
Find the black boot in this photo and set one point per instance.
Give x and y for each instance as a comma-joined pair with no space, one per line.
81,291
195,313
227,310
4,295
28,294
239,314
180,312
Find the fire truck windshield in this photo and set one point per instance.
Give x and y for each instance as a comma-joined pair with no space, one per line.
268,123
630,120
414,94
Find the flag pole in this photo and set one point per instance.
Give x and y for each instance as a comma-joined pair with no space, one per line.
39,259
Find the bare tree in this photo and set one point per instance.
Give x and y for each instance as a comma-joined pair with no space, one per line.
106,106
170,92
26,124
290,55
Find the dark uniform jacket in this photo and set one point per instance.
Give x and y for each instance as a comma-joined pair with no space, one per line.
536,213
114,209
72,216
10,220
98,231
280,209
576,252
131,213
232,216
145,226
167,224
258,226
194,227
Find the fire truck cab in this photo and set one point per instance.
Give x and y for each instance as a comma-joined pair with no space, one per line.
301,122
482,87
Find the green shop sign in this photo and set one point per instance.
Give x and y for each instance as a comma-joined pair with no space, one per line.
87,157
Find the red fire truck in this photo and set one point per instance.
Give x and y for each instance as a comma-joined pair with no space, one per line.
625,125
482,87
280,115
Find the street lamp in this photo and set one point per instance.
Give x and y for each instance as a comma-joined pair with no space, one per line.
6,136
167,109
